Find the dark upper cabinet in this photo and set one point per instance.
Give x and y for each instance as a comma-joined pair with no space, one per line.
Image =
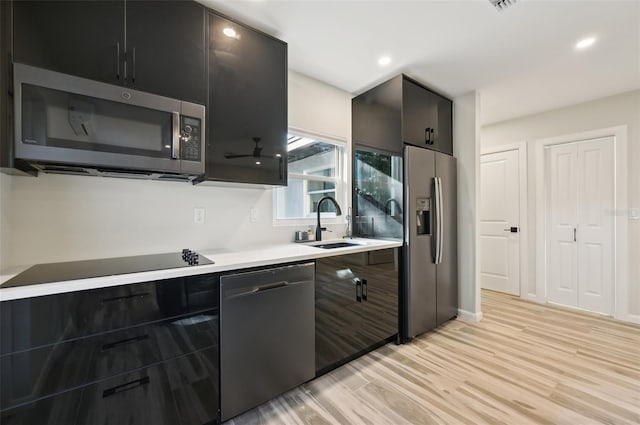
426,118
376,117
356,305
166,48
247,110
84,38
161,50
402,111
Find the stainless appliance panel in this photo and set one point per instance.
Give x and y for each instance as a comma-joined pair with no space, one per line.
420,276
447,270
267,335
67,120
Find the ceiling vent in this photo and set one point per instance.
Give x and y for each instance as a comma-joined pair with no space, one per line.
502,4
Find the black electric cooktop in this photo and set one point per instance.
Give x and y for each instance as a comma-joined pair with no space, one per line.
57,272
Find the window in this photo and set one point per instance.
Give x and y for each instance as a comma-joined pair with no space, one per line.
315,170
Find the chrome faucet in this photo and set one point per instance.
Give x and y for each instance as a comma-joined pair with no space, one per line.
319,228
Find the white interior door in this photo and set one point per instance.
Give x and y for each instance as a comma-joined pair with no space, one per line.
499,211
562,219
595,232
580,224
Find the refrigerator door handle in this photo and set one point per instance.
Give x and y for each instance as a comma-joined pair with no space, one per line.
434,233
440,222
437,244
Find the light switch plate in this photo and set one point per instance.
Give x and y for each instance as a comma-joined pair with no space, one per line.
634,213
198,215
253,214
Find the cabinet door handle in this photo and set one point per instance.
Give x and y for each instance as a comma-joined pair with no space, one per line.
111,345
358,290
364,289
133,66
125,387
118,60
433,136
124,298
427,131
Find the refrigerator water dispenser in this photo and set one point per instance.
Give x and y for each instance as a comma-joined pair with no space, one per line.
423,216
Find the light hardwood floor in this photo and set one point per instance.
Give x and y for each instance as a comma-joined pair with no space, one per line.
524,363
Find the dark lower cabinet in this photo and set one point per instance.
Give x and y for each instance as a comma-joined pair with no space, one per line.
42,371
179,391
35,322
137,354
356,304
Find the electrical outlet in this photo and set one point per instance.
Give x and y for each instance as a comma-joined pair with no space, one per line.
198,215
253,214
634,213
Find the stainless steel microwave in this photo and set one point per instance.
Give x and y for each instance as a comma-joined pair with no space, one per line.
72,125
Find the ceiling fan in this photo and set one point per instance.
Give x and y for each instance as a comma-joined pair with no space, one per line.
257,152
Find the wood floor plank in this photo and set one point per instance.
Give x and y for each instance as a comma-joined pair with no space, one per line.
523,364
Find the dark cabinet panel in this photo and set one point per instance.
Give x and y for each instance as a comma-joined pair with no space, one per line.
376,117
338,313
356,305
161,50
426,119
33,322
247,137
180,391
166,48
83,38
402,111
32,374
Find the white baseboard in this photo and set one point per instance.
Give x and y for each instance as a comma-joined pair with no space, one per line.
467,316
633,318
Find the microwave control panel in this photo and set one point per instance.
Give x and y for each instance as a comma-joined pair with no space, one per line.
190,131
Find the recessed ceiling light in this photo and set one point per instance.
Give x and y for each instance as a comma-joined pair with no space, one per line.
384,60
585,42
278,155
230,32
257,162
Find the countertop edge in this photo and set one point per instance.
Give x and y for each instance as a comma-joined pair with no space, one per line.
224,261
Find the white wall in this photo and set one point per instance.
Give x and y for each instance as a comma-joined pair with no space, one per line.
61,218
622,109
466,146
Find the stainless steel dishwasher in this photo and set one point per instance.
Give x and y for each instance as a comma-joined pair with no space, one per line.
267,335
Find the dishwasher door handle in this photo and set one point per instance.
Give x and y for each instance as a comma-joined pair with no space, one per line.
231,294
269,286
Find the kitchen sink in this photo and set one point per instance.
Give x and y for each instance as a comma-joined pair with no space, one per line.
332,245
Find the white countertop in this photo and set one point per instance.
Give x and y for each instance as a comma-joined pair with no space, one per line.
224,260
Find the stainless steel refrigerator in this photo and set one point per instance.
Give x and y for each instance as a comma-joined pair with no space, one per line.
430,281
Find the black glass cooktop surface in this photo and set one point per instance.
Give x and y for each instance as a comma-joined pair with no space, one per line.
57,272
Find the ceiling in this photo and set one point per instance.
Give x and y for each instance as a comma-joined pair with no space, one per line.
521,60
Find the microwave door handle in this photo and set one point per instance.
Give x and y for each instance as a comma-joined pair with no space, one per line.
175,140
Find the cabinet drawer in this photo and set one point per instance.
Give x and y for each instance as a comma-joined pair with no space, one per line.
34,322
181,391
28,375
